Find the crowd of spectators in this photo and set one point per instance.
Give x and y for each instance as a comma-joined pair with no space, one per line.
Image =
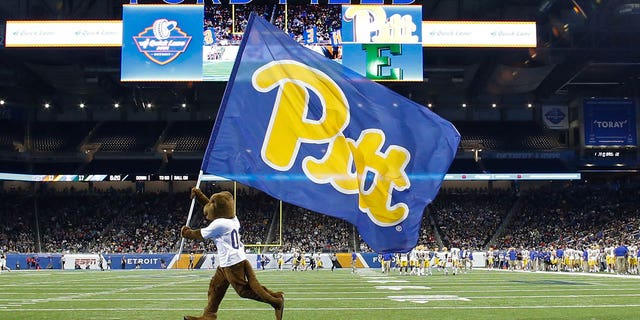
324,18
572,214
227,22
309,231
131,222
468,217
16,222
219,20
575,214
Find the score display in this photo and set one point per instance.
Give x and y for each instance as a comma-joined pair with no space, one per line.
191,177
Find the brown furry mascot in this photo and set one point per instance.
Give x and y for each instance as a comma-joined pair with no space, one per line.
234,268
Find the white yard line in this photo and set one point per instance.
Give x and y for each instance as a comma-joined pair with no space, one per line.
563,297
591,306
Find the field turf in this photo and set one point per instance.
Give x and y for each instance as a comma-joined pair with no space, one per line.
365,295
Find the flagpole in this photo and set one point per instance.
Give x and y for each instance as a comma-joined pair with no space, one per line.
193,202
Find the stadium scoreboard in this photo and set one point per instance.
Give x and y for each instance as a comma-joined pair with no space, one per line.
207,177
148,177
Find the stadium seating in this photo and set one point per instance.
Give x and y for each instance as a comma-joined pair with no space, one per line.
506,136
189,136
59,136
11,135
117,136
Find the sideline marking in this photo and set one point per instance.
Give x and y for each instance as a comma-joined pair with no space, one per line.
388,281
336,308
399,288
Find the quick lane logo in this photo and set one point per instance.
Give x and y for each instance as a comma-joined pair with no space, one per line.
359,167
162,42
555,115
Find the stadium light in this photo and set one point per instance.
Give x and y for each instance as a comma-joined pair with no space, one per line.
2,102
493,105
81,105
430,105
529,105
464,105
116,105
47,105
184,105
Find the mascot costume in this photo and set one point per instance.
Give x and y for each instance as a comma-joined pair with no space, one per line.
234,268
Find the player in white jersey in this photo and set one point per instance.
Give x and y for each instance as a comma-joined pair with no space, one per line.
455,260
234,269
594,258
279,257
404,263
633,259
490,258
414,262
577,260
568,259
611,260
424,262
3,262
441,258
526,262
295,260
446,261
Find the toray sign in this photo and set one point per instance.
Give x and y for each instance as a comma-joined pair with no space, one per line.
284,1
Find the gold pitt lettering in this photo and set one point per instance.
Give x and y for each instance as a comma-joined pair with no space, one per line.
347,164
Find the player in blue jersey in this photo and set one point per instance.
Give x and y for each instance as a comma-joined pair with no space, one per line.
354,260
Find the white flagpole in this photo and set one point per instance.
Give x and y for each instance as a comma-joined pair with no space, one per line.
193,202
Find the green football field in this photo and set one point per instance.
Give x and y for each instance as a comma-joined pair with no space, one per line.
366,295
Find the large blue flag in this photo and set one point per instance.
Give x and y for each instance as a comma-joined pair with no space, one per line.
313,133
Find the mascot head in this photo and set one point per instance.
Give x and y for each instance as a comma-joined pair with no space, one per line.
220,205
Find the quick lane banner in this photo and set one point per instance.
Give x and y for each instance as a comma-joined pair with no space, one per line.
383,43
162,43
479,34
56,33
610,122
313,133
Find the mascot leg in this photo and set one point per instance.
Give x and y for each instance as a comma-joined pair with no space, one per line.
244,281
217,289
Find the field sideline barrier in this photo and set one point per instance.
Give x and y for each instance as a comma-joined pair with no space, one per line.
90,261
172,261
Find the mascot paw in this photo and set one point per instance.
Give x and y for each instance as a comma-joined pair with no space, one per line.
184,232
203,317
280,307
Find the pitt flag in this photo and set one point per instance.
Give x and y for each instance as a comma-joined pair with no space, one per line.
313,133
